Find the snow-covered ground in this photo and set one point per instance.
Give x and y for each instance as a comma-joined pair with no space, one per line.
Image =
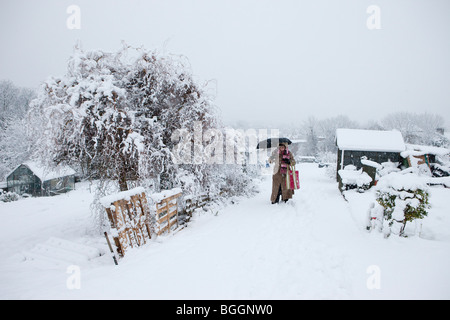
313,247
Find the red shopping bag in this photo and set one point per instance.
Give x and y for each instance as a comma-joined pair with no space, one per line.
292,179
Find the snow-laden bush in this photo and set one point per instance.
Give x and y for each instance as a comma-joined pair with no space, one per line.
404,198
351,178
387,168
9,196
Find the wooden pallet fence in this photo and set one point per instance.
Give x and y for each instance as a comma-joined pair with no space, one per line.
128,214
166,207
132,221
193,203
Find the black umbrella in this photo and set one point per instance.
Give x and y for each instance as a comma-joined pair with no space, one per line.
272,143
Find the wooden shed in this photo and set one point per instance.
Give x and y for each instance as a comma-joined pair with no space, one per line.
373,145
35,180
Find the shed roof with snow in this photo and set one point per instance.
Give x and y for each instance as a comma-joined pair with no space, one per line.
45,174
370,140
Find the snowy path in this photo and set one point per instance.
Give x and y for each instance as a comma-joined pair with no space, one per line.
254,250
313,247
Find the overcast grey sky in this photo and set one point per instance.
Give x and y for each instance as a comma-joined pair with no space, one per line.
271,60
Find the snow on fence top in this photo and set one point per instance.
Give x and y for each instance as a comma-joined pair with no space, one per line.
158,197
123,195
126,195
369,140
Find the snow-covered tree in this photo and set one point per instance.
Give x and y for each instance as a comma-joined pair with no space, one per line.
113,114
311,137
15,143
8,93
327,129
16,146
415,128
14,102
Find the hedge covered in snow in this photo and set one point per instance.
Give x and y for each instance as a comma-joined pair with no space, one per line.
403,198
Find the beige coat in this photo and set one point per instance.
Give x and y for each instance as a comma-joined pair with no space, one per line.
278,179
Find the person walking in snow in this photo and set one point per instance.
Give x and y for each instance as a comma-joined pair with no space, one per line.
282,158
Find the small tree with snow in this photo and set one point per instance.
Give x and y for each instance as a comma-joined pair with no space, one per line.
404,198
113,114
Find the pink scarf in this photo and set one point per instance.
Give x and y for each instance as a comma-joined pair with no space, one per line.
285,155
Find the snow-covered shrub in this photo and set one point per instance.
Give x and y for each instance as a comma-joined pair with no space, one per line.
387,168
404,198
9,196
350,178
